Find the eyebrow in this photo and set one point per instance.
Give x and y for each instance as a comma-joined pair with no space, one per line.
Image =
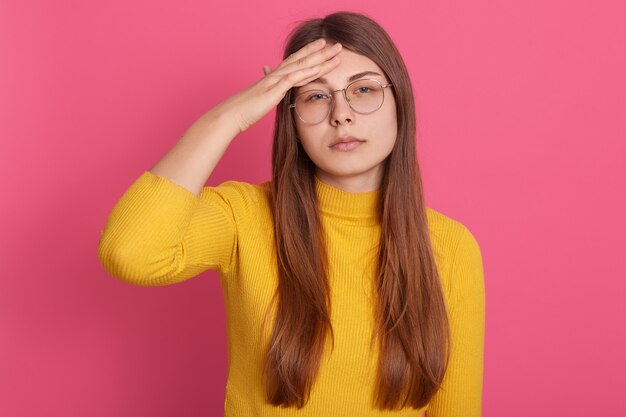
350,79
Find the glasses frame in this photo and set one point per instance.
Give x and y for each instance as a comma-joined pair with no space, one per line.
332,99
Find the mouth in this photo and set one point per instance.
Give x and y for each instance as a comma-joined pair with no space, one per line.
346,140
346,143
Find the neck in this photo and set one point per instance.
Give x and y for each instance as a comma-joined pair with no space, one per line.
361,183
356,208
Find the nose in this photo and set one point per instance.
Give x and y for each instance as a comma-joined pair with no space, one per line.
341,111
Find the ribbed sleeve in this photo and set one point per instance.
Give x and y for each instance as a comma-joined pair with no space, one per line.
461,395
160,233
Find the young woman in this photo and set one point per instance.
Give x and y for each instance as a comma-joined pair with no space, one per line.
345,294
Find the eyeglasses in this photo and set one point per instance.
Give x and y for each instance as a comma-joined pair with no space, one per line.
363,96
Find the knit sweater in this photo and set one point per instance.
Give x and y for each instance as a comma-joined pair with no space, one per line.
160,233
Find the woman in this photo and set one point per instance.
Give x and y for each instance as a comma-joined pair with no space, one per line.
345,294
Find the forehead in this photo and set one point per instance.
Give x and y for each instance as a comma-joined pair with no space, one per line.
350,64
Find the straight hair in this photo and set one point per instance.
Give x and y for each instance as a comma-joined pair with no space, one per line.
411,327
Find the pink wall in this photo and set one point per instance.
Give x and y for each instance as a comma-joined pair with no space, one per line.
521,106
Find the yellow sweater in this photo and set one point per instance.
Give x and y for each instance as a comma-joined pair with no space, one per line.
160,233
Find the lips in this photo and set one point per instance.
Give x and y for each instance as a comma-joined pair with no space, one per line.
346,140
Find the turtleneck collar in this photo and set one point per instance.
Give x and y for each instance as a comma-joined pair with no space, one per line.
355,208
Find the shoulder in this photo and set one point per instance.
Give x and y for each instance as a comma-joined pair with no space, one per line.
447,232
453,243
440,223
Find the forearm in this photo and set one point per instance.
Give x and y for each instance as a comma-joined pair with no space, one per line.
193,158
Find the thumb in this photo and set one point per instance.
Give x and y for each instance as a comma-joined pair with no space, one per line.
266,69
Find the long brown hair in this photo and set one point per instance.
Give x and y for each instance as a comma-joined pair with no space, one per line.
412,325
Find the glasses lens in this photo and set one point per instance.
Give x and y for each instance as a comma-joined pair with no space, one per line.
312,105
365,96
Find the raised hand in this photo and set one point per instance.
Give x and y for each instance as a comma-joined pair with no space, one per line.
310,62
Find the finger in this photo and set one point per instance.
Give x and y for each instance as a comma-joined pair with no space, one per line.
311,60
285,83
266,69
325,68
306,50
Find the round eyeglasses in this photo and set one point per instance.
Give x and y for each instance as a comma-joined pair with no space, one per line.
363,96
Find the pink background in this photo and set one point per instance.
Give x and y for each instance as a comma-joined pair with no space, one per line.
521,106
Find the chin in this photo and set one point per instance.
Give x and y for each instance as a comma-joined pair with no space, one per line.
346,172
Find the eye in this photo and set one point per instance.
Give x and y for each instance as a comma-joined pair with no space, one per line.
316,96
362,89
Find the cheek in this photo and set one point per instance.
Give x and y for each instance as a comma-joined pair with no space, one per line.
307,132
310,145
313,148
298,128
386,126
391,114
310,135
393,122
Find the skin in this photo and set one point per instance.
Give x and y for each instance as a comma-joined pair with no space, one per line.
194,157
361,169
